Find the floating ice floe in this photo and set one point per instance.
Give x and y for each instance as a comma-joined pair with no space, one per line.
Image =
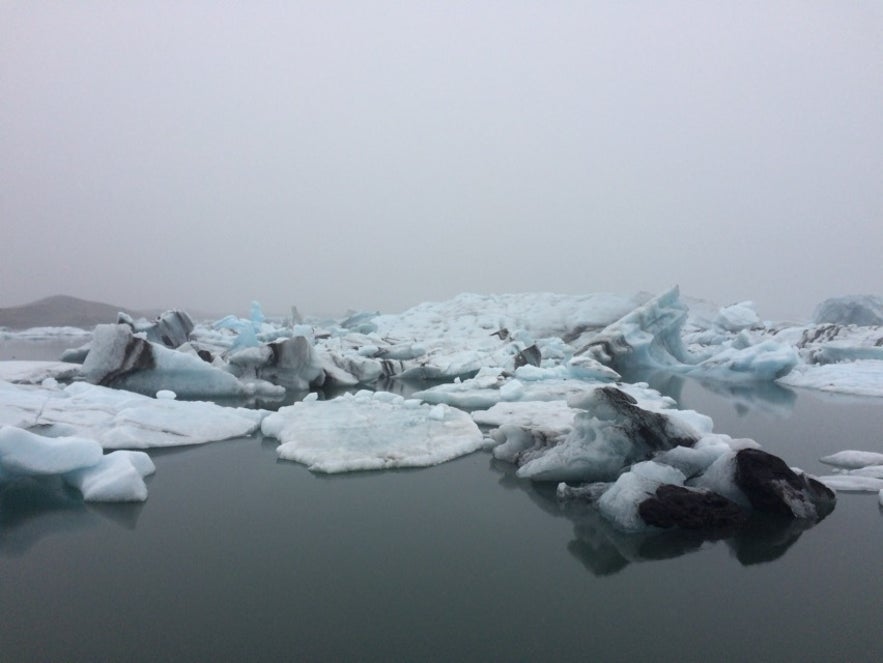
852,460
34,372
371,431
121,419
859,378
115,477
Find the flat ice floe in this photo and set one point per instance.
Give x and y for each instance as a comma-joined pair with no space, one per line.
371,431
34,372
118,419
860,378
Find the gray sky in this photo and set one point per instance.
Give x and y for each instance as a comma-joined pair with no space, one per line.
374,155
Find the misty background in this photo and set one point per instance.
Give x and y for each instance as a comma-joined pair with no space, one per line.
374,155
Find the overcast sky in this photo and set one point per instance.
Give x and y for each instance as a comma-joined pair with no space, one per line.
374,155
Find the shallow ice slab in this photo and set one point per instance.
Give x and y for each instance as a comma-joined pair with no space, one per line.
34,372
370,432
852,460
861,378
121,419
852,483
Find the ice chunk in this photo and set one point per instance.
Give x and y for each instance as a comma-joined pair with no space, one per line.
116,477
755,478
620,503
611,433
767,360
170,329
25,453
851,460
737,317
369,432
648,336
34,372
850,310
118,358
291,363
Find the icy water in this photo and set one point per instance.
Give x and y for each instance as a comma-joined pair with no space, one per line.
236,556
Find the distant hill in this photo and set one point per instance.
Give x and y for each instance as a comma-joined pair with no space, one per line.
64,311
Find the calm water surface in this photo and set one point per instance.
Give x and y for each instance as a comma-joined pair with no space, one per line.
237,556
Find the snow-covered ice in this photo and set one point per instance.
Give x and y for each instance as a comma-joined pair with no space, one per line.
371,431
121,419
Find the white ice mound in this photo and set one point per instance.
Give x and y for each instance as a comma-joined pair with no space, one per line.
24,453
122,419
371,431
117,477
865,310
438,340
736,317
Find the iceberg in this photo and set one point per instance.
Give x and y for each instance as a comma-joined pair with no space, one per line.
370,431
121,359
864,310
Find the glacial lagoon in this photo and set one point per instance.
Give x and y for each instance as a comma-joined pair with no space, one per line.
239,556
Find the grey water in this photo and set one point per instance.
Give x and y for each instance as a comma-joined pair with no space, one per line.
238,556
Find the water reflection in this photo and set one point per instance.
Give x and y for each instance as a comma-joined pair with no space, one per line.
759,397
32,509
604,550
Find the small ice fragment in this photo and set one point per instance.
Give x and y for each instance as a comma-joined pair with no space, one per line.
166,395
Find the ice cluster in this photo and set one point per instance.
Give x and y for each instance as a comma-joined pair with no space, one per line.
552,380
